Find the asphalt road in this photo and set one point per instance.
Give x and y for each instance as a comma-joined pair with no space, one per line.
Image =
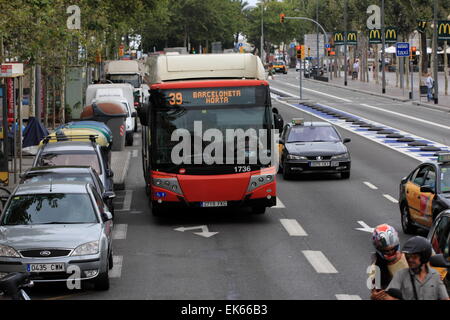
305,248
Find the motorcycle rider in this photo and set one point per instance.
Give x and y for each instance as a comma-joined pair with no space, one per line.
387,260
419,281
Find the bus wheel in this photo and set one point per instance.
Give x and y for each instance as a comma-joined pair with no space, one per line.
156,210
258,210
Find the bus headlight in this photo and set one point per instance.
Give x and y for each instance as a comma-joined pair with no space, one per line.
170,184
257,181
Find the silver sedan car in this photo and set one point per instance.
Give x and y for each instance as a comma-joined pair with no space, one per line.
57,232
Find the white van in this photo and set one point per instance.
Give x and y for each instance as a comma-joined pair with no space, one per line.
130,120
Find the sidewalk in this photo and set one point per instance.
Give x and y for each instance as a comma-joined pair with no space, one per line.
393,92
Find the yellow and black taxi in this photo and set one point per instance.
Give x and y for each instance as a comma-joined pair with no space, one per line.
424,193
279,66
313,147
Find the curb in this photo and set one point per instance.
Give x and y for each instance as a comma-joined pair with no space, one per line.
415,102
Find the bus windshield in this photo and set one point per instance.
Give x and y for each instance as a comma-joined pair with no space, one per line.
200,109
132,79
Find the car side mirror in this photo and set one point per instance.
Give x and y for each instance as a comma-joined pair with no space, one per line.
108,195
439,261
134,114
346,140
109,173
426,189
280,141
107,216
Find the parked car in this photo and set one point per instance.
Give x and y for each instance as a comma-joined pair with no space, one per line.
52,229
70,174
73,153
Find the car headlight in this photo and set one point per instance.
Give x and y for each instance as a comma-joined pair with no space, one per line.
6,251
86,249
294,157
340,156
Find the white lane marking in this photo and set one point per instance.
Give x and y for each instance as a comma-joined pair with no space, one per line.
365,227
127,200
280,205
318,92
392,199
116,271
134,153
293,228
319,262
120,231
347,297
406,116
371,186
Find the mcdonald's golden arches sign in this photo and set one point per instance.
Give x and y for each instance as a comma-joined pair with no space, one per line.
375,36
338,38
391,34
352,38
444,30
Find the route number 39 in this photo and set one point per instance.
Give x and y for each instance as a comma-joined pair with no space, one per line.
175,98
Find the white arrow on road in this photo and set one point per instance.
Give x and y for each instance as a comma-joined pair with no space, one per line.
205,232
365,227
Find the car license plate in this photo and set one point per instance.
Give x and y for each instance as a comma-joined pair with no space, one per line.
45,267
214,204
320,164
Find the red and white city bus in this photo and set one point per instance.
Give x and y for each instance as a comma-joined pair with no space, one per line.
192,96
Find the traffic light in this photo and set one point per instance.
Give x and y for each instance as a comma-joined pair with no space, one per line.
282,15
328,52
413,52
299,52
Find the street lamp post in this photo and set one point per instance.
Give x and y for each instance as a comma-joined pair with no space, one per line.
383,44
262,31
345,42
436,61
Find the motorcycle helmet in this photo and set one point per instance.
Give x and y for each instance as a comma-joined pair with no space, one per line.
385,236
419,245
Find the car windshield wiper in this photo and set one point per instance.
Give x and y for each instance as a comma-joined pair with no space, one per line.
298,141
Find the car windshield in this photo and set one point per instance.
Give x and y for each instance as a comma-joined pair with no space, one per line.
55,208
313,134
58,176
445,179
70,159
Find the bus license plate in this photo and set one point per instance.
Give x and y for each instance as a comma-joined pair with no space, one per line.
320,164
209,204
45,267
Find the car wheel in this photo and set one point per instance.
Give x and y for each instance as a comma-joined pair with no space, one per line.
259,210
345,175
407,226
102,281
129,139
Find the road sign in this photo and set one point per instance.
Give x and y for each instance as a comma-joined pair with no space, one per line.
292,45
240,44
402,49
327,45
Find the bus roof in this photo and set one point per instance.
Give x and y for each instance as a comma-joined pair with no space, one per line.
204,66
